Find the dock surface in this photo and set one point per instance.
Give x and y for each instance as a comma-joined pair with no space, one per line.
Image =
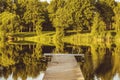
63,67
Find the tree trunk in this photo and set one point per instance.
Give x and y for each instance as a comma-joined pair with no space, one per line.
58,39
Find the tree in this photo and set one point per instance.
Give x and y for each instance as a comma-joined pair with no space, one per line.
116,18
55,12
55,5
76,13
34,15
105,8
47,24
9,23
110,3
61,21
21,7
2,5
80,14
7,5
99,25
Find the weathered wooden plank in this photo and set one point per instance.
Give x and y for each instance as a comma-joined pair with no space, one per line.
62,54
63,67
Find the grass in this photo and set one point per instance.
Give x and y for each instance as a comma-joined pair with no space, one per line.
23,34
30,34
22,42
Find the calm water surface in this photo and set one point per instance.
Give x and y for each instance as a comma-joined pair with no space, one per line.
26,61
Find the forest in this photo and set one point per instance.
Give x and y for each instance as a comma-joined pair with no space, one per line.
99,18
30,28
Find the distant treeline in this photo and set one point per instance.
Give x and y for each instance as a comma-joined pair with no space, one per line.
79,15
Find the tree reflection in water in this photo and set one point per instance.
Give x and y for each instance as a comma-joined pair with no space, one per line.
104,66
25,61
21,61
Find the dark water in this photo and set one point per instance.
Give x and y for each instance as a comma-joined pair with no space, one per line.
26,61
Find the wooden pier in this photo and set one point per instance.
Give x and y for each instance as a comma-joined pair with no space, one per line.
63,67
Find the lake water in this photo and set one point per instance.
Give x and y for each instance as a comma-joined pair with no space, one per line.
26,61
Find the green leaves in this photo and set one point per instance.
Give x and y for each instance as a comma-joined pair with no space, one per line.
61,18
105,8
9,22
81,13
34,15
116,18
99,25
75,13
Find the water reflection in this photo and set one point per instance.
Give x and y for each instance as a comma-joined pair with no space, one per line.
26,61
103,64
21,61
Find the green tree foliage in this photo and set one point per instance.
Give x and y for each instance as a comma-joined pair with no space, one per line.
76,13
99,25
7,5
105,8
55,5
2,5
81,13
21,7
110,3
47,25
55,12
116,18
9,23
61,14
34,15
